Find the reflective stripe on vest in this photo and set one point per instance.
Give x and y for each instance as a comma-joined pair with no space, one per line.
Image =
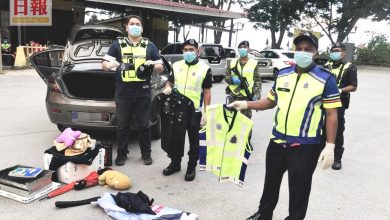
135,55
337,72
189,80
227,143
5,46
247,71
299,114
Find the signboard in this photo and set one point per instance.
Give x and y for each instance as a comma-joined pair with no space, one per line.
30,12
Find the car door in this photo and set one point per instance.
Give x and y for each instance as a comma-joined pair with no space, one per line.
47,62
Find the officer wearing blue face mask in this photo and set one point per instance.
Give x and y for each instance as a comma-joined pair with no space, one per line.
346,77
132,90
303,94
247,68
192,79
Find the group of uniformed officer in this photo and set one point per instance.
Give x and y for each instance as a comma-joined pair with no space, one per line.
307,98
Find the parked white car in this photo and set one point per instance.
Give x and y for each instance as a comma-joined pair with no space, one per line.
280,59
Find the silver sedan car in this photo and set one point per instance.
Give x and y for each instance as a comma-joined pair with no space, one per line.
79,93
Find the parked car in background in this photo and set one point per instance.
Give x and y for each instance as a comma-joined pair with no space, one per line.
212,54
79,93
263,63
280,59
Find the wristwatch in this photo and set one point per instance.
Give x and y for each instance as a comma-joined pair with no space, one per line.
340,91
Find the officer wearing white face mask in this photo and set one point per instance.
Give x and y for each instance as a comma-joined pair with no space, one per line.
130,56
303,94
192,79
346,77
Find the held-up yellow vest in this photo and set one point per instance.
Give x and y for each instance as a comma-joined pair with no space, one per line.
227,139
135,55
337,72
189,80
247,71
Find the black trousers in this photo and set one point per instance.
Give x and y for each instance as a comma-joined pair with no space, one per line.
125,107
339,143
193,137
300,163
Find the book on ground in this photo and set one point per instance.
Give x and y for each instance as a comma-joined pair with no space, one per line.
28,199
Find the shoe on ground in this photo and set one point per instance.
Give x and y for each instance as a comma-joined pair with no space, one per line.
120,159
171,169
147,160
255,216
336,165
190,175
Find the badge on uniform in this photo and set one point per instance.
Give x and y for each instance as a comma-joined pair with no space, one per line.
218,126
286,84
193,73
233,140
306,85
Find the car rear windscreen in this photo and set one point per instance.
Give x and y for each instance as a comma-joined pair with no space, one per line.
212,51
289,54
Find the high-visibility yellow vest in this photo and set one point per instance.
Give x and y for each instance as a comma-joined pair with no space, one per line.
246,71
189,80
132,54
299,114
227,140
337,72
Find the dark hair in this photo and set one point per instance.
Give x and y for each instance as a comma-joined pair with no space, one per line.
133,16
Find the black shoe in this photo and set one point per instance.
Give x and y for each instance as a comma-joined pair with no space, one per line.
120,159
171,169
337,165
147,160
190,174
255,216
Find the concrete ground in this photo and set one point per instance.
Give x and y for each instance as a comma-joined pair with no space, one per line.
359,191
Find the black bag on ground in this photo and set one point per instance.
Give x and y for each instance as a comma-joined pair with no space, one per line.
132,202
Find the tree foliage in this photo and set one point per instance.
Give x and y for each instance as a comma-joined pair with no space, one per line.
340,16
274,15
377,51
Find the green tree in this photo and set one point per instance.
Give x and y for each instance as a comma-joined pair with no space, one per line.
377,51
274,15
340,16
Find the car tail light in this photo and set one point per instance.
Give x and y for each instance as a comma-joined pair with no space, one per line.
56,110
289,62
53,86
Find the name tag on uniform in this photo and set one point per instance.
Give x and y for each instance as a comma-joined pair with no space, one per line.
283,89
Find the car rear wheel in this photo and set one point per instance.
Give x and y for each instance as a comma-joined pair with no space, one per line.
60,127
218,78
155,130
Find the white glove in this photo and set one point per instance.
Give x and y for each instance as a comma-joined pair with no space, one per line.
239,105
113,64
203,120
149,62
167,90
327,156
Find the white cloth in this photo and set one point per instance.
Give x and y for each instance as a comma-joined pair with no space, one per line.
116,212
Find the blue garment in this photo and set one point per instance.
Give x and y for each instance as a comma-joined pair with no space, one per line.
132,89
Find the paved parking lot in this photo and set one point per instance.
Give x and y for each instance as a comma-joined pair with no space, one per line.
359,191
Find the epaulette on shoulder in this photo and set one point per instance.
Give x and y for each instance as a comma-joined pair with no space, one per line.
122,41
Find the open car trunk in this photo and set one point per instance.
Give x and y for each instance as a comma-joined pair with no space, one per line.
97,85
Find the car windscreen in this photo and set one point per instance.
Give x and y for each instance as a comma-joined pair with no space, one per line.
289,54
212,51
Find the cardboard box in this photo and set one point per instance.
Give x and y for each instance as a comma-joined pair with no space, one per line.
71,172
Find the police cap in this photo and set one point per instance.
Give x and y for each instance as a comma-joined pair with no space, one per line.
308,37
191,42
338,45
243,43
